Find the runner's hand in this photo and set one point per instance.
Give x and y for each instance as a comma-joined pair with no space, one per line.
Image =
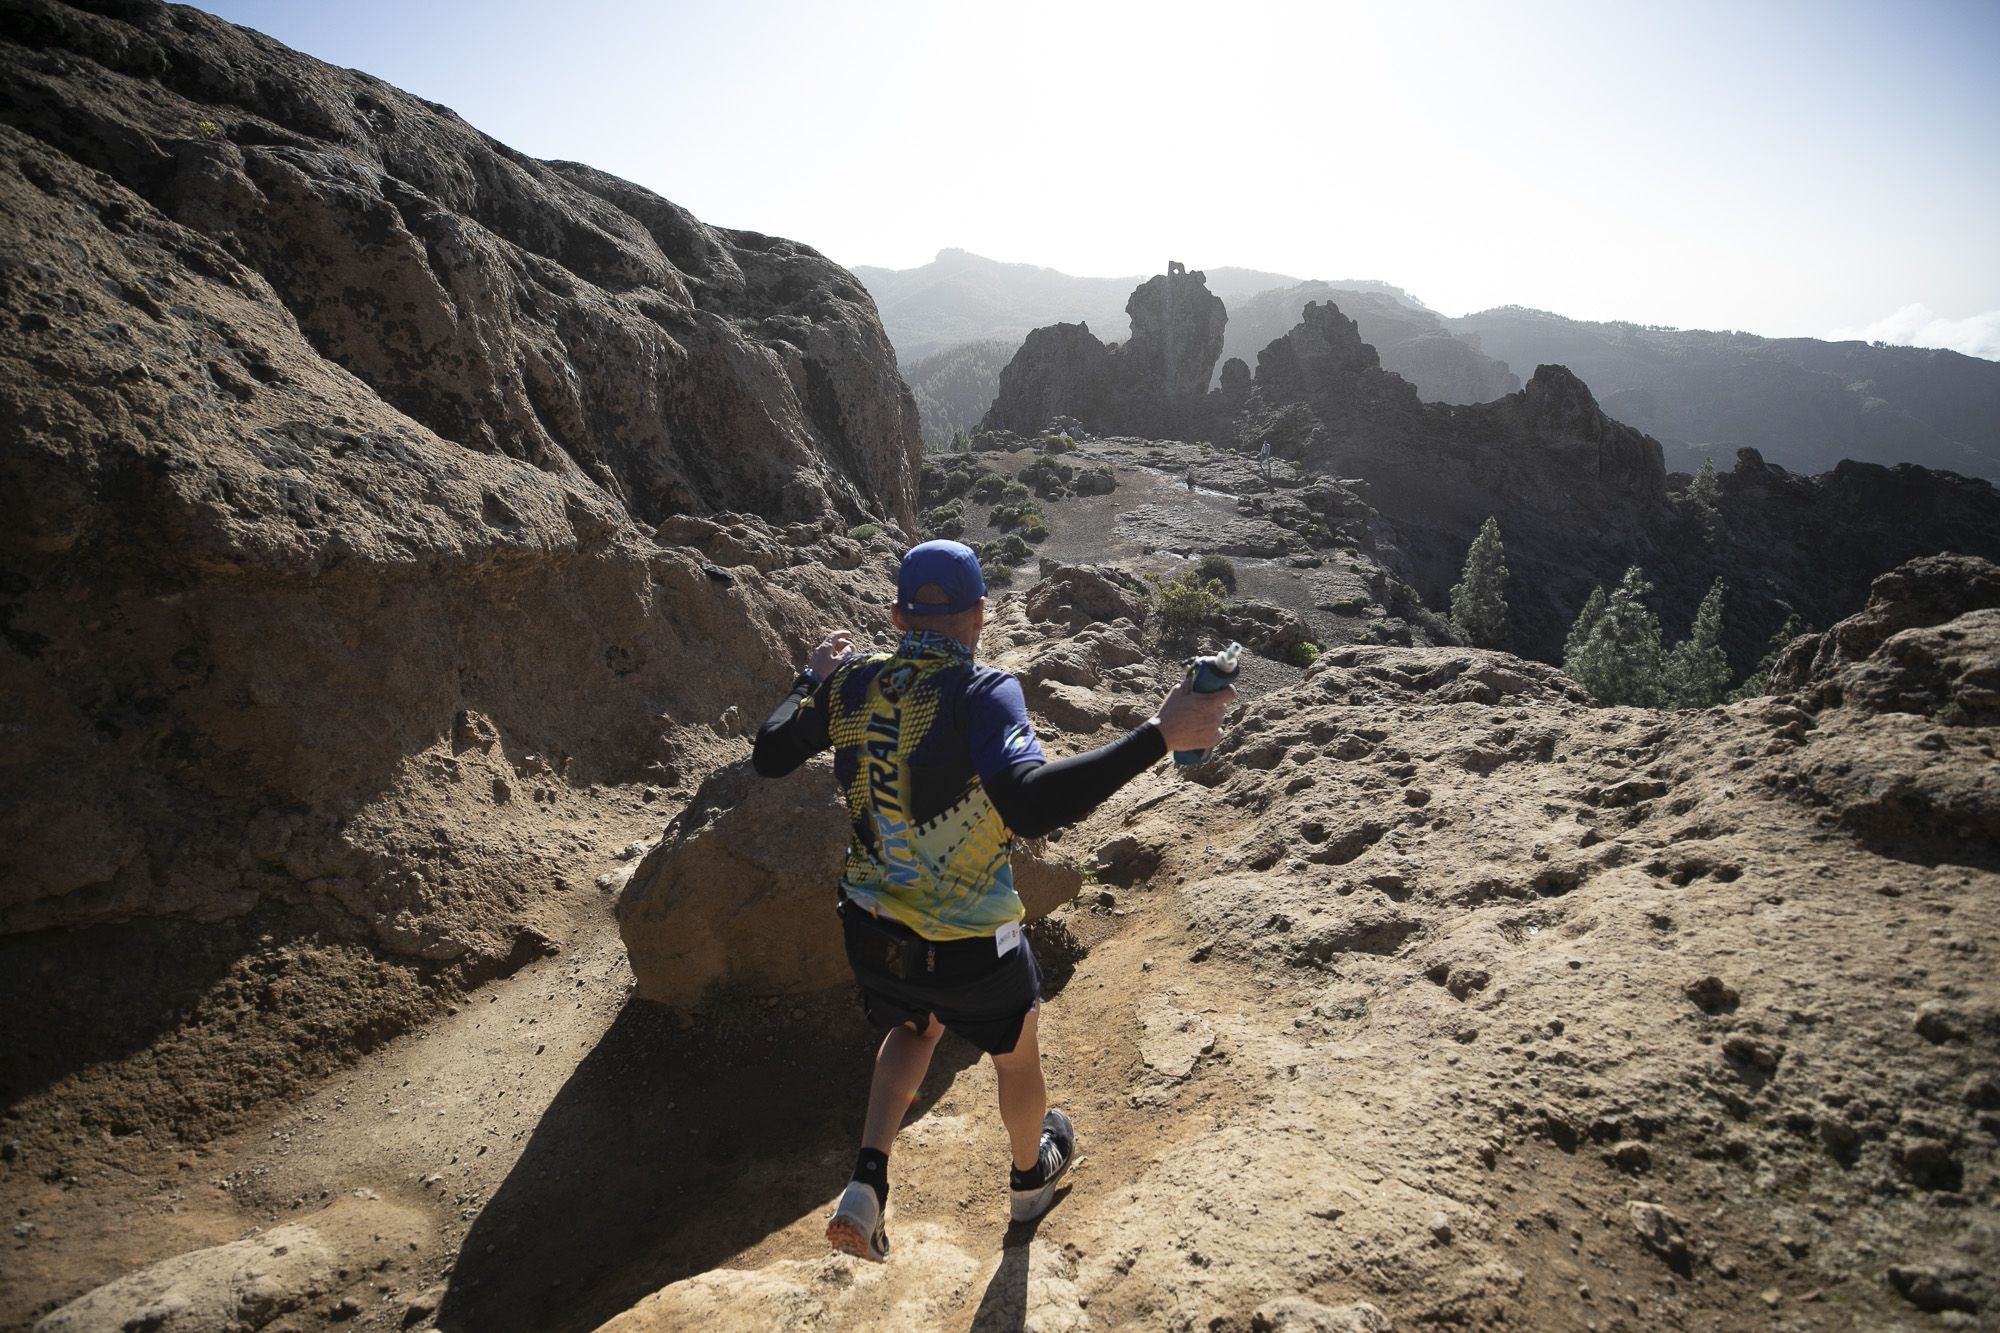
832,651
1191,721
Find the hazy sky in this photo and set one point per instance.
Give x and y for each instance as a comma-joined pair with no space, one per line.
1784,168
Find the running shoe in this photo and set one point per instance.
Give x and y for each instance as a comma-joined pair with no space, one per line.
856,1227
1058,1153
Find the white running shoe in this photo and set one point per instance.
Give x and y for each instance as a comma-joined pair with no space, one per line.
1057,1155
856,1226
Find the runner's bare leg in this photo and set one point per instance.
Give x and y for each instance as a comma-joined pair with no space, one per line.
1024,1097
899,1069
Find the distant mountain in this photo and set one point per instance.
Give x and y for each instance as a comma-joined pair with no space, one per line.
962,297
1803,403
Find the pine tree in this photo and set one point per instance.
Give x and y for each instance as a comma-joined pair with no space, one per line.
1579,633
1759,681
1696,672
1478,606
1617,658
1705,494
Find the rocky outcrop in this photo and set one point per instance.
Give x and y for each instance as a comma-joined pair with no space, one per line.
1154,384
332,439
1177,327
1061,370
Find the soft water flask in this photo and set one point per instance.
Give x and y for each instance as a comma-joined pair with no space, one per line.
1206,675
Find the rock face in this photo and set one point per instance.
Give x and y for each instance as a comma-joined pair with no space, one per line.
1177,327
334,434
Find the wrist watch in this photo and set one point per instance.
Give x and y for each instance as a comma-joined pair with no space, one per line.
808,677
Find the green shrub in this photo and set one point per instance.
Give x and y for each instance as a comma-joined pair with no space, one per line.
1186,602
1218,568
1304,653
1057,444
1011,514
1096,481
987,488
1049,478
865,532
1008,550
947,520
1034,529
1014,492
1350,606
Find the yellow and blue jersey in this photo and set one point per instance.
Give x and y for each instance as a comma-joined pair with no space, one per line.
914,733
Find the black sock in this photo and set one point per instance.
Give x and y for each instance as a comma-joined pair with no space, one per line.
1031,1179
872,1168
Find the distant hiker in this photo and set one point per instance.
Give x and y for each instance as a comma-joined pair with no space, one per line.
1264,460
941,769
1189,479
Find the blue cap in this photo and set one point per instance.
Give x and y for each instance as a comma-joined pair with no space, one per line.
951,566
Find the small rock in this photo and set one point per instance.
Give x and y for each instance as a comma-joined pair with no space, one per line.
1658,1228
1771,1296
1933,1289
424,1305
1711,995
1633,1157
1723,1265
631,851
1981,1093
1940,1023
10,1151
1440,1228
1745,1049
344,1309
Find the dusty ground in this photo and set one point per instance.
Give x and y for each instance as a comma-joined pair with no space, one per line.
1440,999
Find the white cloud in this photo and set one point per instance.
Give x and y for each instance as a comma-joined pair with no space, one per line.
1920,326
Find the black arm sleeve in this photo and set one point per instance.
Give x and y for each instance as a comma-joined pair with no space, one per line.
791,735
1036,798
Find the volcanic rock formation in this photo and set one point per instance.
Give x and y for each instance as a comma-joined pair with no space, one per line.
1154,384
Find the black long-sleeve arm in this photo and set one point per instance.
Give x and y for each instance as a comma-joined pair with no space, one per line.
792,734
1035,799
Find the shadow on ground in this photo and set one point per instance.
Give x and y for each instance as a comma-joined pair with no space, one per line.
668,1151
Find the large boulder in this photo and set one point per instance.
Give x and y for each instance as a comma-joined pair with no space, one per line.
1924,642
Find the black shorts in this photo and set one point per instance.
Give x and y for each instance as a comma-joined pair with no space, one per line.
987,1010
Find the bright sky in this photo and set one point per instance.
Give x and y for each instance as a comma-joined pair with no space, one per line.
1785,167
